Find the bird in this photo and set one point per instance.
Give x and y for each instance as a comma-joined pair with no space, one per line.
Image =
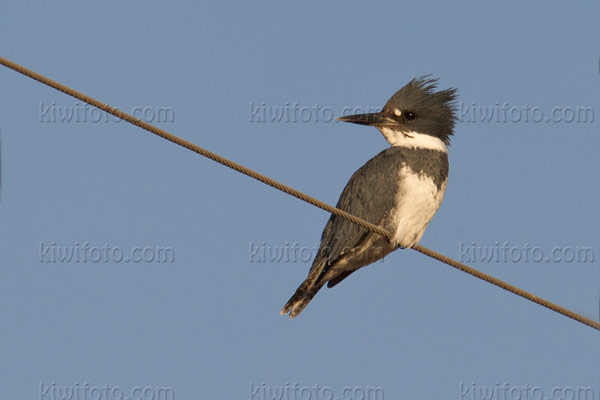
399,190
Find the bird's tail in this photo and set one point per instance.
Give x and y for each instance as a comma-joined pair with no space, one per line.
303,295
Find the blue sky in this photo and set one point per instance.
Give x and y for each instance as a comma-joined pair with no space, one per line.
204,321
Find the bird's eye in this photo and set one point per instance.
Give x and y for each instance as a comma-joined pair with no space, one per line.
409,115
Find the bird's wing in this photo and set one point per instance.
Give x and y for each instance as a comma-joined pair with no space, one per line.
339,278
369,194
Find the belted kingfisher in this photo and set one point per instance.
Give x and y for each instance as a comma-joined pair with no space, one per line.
400,189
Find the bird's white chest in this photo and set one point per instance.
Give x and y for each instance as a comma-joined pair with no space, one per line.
417,201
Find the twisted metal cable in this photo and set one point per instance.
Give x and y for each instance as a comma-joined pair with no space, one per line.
507,286
293,192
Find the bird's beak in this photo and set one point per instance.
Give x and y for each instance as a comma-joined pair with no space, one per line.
372,119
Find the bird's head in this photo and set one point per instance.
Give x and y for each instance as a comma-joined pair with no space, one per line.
415,116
